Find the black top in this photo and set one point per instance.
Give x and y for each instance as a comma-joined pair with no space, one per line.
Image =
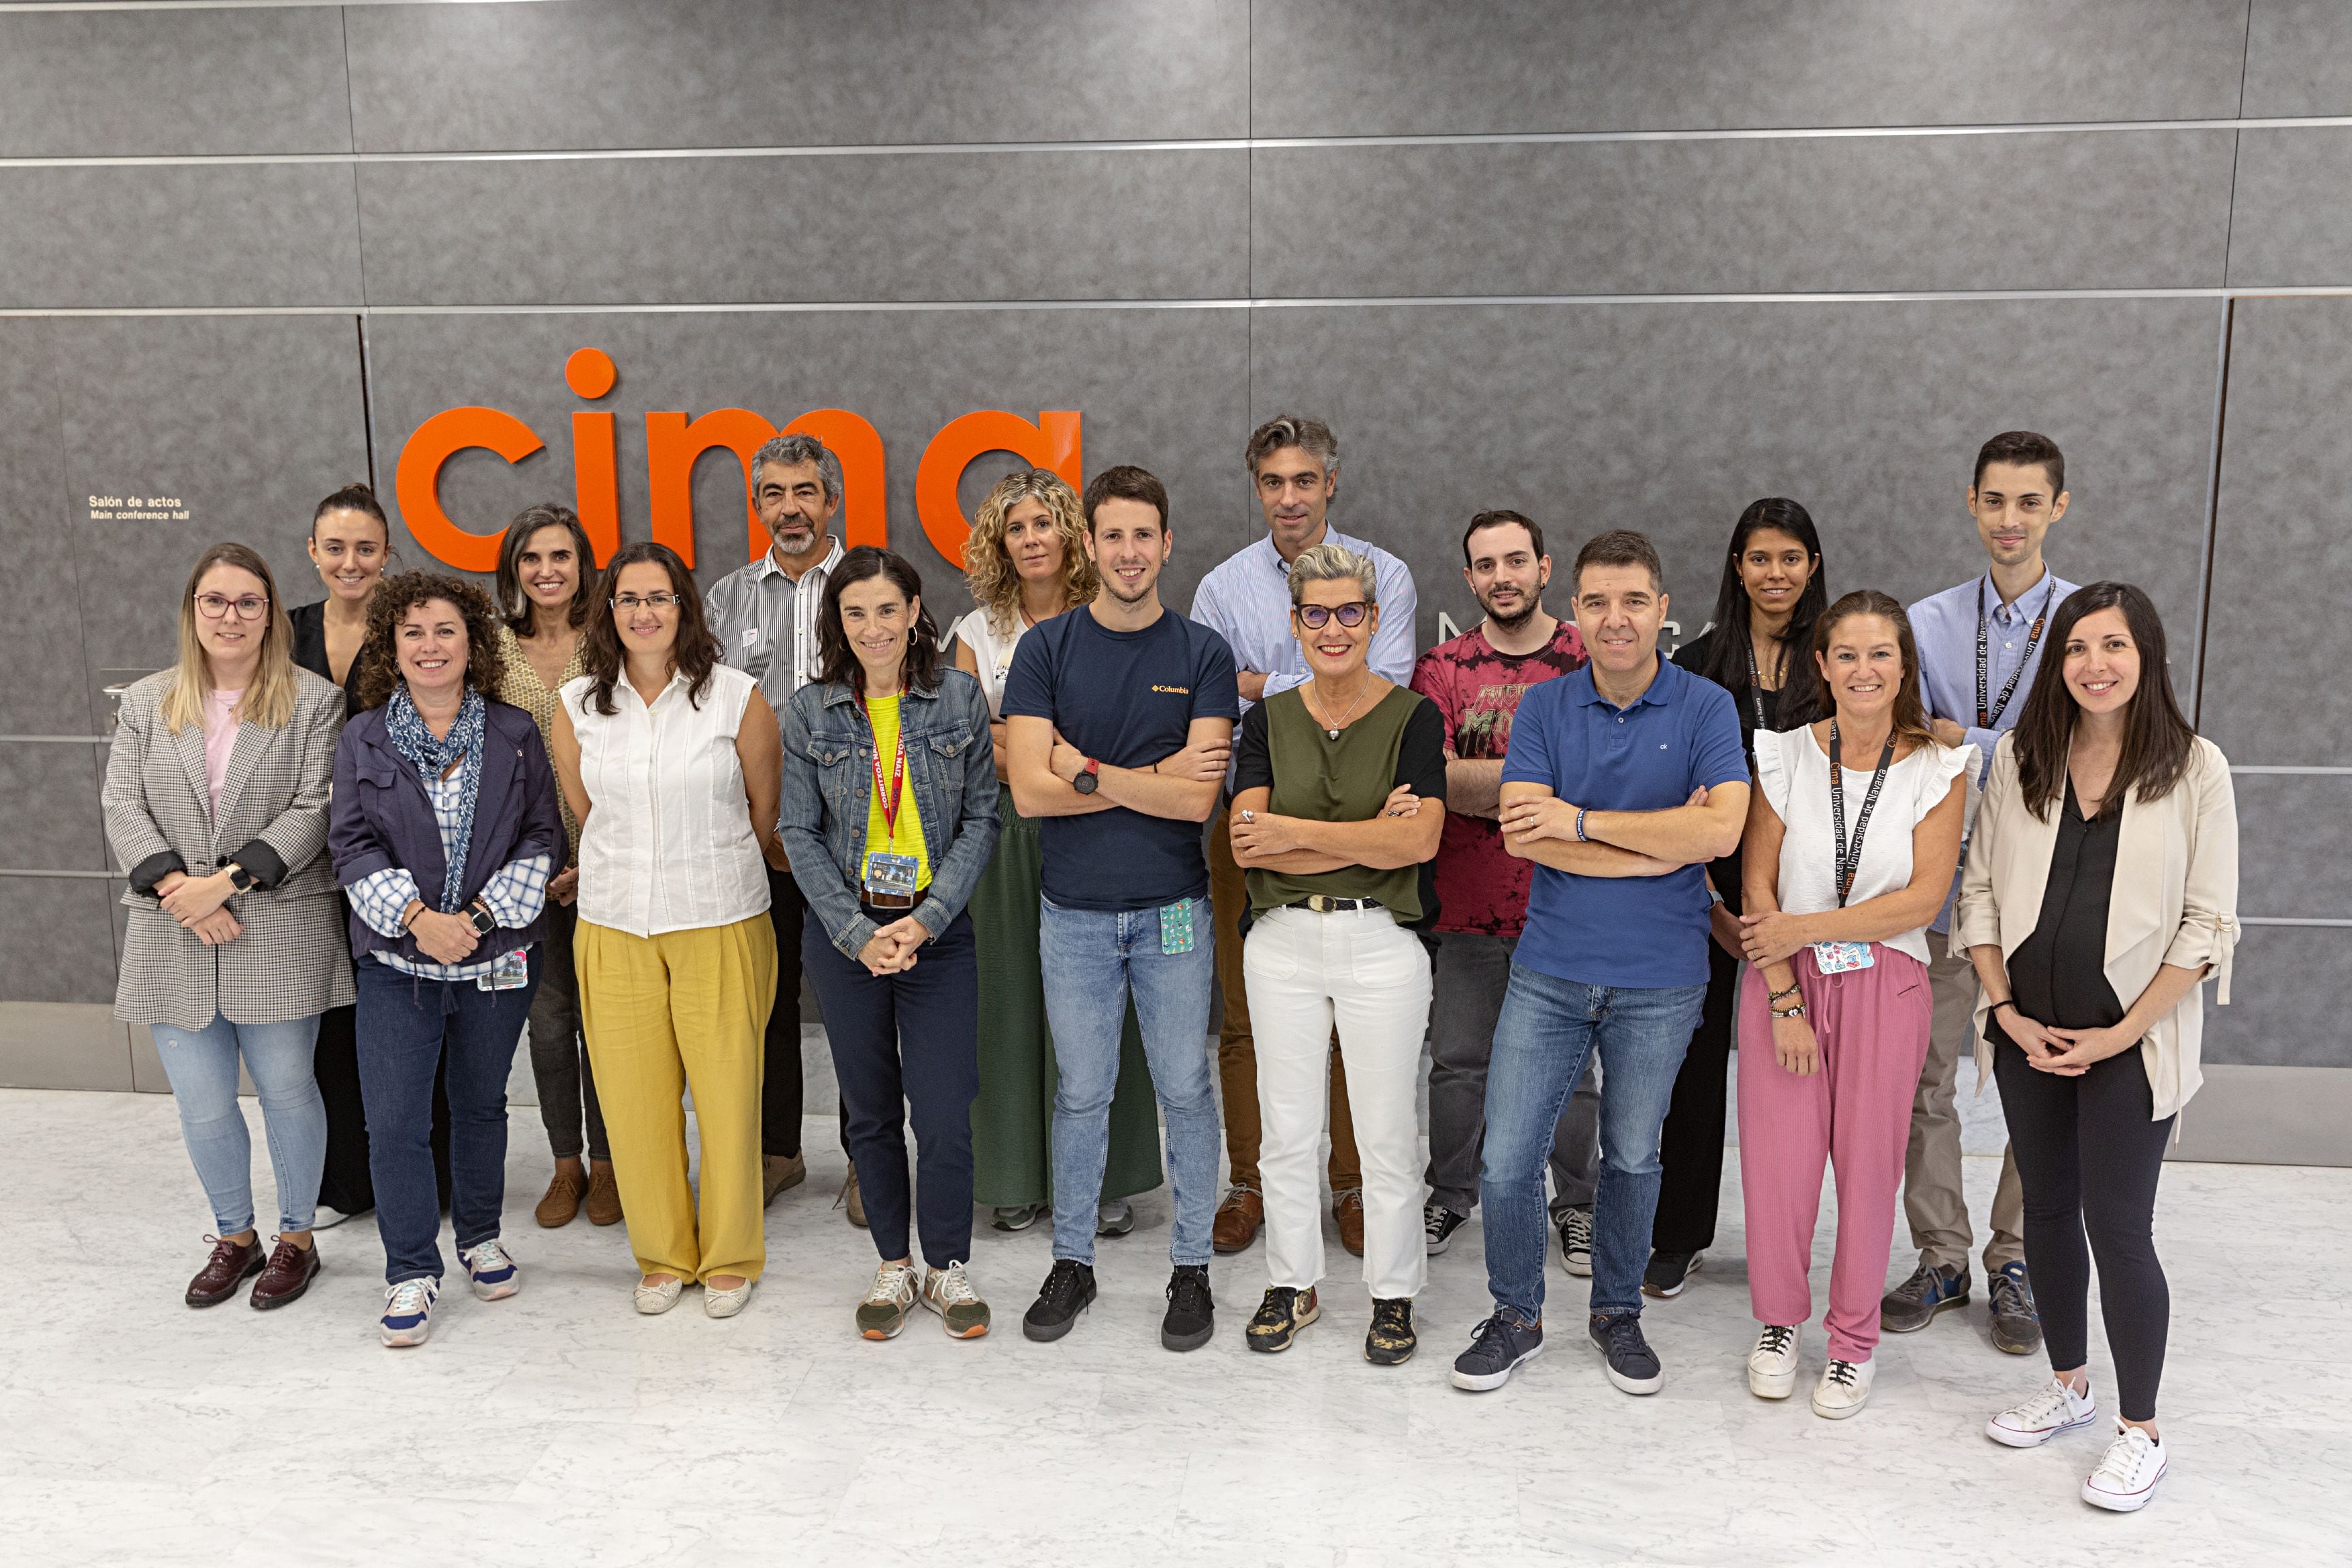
2058,975
1693,656
1420,761
310,623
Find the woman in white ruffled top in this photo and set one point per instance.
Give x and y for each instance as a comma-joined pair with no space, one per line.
1854,831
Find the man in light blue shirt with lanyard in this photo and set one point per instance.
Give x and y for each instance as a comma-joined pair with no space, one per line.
1623,780
1979,645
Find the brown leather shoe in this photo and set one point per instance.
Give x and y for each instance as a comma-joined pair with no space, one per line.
781,1171
563,1200
1348,1208
1238,1218
603,1194
231,1264
291,1269
853,1200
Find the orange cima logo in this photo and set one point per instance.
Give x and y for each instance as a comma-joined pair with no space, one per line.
673,443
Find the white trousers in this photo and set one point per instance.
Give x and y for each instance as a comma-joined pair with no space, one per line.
1370,975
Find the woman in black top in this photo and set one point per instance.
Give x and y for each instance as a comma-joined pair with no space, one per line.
1772,593
350,543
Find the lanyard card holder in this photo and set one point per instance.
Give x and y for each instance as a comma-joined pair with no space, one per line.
511,973
1176,926
1838,957
889,876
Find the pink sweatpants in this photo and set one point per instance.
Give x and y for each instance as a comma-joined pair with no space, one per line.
1855,1111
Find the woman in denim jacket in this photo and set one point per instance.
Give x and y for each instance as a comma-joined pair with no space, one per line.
889,818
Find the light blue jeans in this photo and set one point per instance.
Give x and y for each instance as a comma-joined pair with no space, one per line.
1548,1028
1092,959
202,1066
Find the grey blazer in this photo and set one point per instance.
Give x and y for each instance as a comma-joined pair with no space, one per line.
291,961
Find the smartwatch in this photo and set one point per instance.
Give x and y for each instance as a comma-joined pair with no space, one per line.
240,879
484,922
1090,777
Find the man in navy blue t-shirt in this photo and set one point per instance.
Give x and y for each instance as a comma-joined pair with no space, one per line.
1623,781
1118,724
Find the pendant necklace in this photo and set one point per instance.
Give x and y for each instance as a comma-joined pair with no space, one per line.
1334,728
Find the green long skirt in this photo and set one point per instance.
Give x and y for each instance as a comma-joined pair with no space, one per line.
1012,1119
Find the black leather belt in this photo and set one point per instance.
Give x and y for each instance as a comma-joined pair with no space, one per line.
1323,905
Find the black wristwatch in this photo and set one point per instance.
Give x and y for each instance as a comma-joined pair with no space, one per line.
484,922
1088,778
240,879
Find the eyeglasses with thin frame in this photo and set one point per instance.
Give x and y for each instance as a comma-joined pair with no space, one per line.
248,606
628,602
1317,617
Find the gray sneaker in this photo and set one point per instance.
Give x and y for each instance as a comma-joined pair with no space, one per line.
2016,1322
1501,1347
1914,1304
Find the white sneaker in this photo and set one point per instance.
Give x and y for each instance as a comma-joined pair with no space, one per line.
884,1311
2127,1477
327,1218
494,1274
408,1311
1772,1364
1845,1388
949,1293
2049,1410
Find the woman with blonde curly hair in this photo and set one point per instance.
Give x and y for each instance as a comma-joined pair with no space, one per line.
1026,563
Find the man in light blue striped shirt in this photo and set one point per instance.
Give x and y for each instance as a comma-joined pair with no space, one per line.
1294,468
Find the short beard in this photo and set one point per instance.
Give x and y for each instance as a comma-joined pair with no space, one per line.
1110,585
806,532
1514,623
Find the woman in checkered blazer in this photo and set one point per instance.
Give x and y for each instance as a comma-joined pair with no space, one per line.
216,805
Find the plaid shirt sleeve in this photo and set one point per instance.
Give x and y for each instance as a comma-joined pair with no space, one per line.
518,892
380,895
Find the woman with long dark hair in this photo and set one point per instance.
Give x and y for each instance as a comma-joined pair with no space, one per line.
445,834
547,568
1758,648
669,761
2104,866
1854,831
889,818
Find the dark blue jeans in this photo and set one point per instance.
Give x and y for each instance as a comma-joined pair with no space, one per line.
899,1041
1549,1026
406,1026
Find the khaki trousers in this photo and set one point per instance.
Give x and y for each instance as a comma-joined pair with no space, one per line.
686,1007
1237,1049
1932,1199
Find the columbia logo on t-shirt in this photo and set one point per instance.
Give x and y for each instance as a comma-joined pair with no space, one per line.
1177,690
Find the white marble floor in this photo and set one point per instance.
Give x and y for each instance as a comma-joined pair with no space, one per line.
560,1427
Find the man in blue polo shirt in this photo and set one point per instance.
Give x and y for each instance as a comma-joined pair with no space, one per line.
1623,779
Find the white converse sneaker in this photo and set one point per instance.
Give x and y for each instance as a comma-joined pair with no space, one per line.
1772,1364
2127,1477
408,1311
494,1274
1844,1389
2049,1410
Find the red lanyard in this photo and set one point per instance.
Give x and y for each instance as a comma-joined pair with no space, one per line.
898,776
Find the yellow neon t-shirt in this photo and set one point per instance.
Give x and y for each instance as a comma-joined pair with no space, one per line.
882,712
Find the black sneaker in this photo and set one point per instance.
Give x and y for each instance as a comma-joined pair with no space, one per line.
1668,1272
1280,1316
1191,1311
2016,1321
1068,1290
1390,1340
1632,1364
1914,1303
1501,1347
1438,1225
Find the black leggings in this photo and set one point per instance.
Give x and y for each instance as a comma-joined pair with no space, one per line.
2088,1156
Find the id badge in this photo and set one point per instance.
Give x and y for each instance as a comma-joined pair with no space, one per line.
1837,957
891,875
1176,926
511,973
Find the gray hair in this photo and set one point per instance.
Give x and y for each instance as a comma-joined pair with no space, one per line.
790,452
1309,436
1328,562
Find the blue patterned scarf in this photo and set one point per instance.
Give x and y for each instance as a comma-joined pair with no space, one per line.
431,759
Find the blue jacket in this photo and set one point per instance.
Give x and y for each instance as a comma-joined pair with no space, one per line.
381,819
829,787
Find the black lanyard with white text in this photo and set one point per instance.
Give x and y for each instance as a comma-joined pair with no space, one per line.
1987,717
1849,862
1756,683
